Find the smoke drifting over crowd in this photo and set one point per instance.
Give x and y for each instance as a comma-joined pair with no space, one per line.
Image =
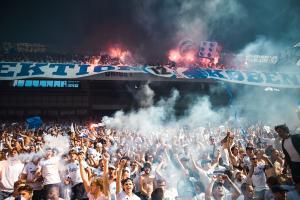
249,104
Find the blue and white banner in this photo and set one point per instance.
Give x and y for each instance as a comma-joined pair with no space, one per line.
20,70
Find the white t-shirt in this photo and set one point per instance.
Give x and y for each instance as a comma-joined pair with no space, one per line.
91,197
10,171
10,198
259,178
171,194
50,170
225,156
97,155
113,187
289,147
29,170
123,196
73,171
247,161
225,197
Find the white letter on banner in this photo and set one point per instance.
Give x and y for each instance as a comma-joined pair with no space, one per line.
35,68
254,77
83,70
289,79
4,67
235,75
61,68
215,74
272,78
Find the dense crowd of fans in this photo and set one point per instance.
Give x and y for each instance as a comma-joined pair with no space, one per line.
97,162
58,58
31,52
103,59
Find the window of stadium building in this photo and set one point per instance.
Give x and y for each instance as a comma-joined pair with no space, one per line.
46,83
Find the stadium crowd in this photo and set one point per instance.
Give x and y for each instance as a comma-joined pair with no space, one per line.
97,162
46,57
103,59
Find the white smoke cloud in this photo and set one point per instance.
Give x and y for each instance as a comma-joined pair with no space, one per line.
277,105
59,142
201,113
262,46
274,107
145,96
145,120
27,157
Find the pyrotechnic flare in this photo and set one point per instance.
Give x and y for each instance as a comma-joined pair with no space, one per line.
174,55
118,53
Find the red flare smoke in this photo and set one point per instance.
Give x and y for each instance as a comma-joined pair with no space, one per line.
174,55
121,54
189,56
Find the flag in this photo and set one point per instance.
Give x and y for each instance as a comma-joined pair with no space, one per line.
34,122
72,128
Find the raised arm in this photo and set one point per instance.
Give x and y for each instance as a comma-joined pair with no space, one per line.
92,161
106,158
215,163
119,177
84,175
8,143
180,164
201,172
237,192
208,191
231,156
38,171
157,170
267,160
249,176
